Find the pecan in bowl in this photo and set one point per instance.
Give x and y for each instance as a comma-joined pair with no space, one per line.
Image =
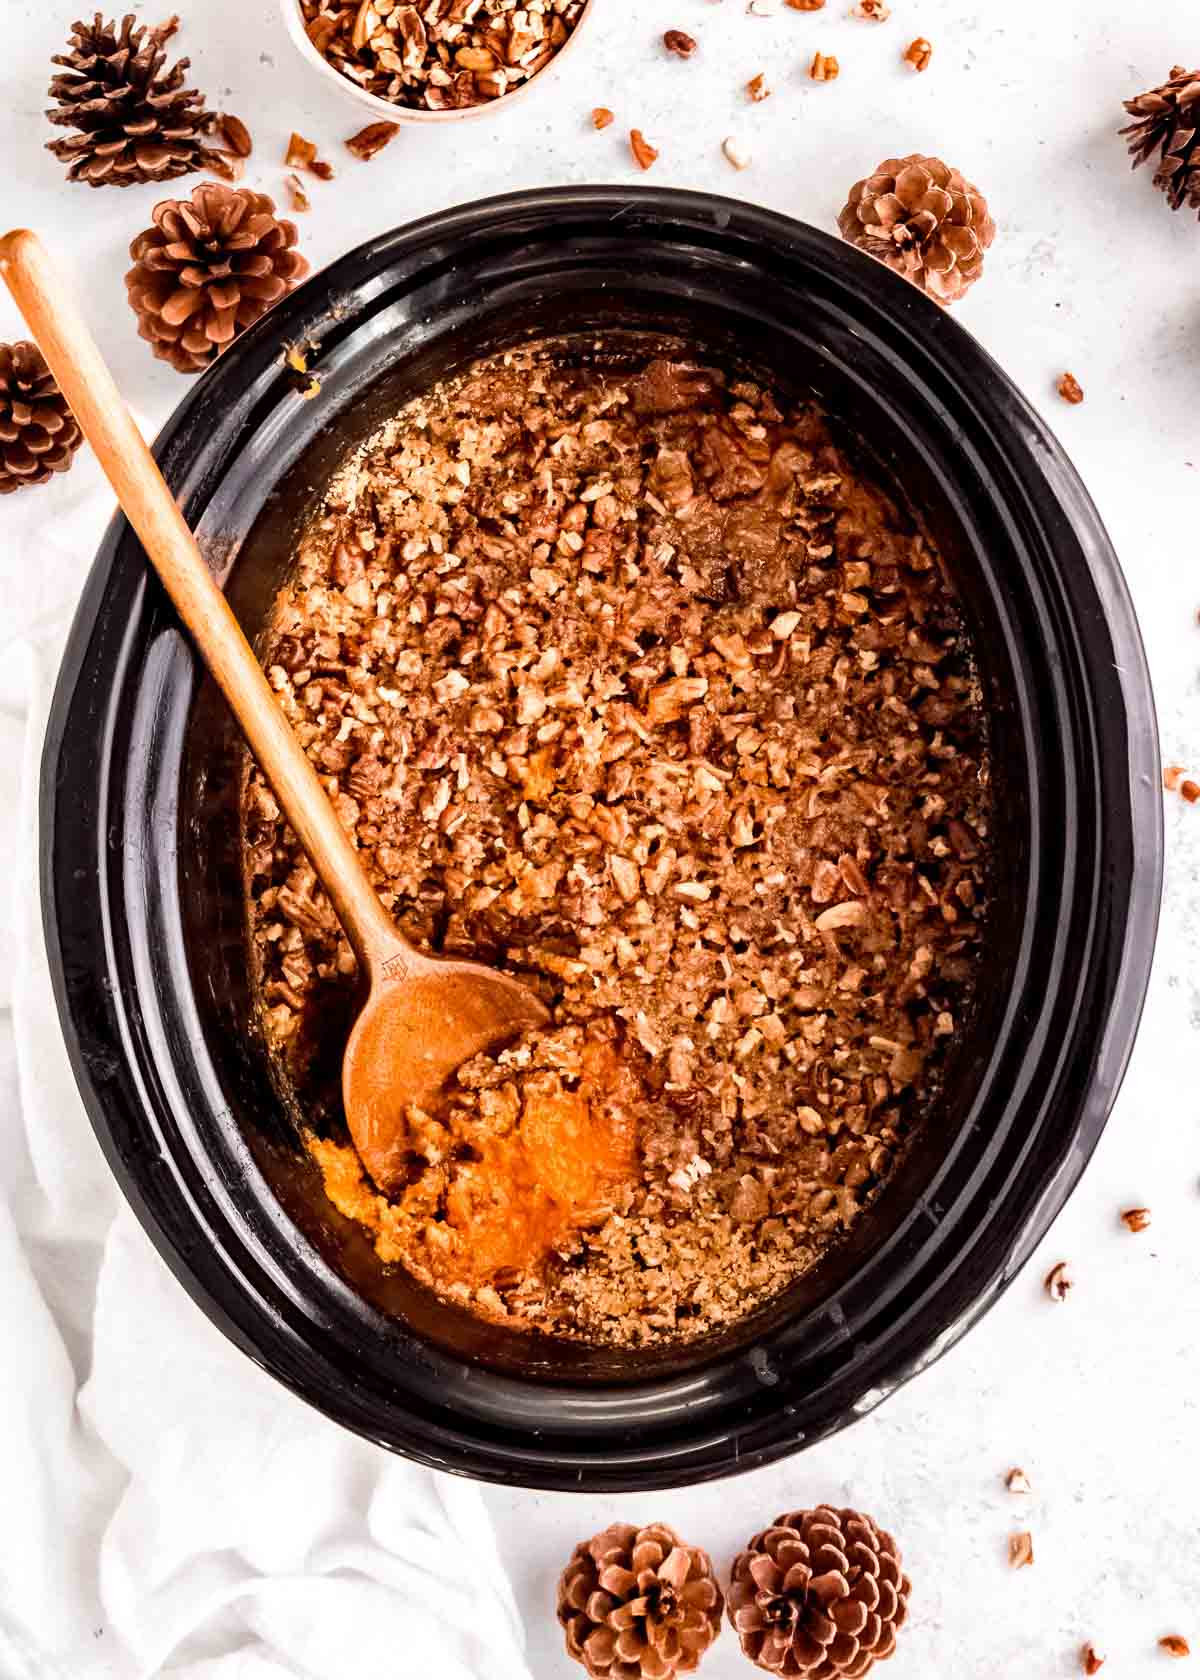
436,61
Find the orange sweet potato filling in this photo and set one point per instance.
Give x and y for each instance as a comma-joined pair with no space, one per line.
519,1194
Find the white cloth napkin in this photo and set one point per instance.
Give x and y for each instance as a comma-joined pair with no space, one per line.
166,1509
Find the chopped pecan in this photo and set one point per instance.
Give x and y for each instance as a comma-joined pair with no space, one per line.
237,135
679,43
370,141
644,154
1020,1550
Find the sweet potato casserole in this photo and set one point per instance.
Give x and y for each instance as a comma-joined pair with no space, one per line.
626,678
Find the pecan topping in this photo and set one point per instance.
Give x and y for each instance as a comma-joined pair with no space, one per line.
619,673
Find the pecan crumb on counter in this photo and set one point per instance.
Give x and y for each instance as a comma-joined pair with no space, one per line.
370,141
1069,388
1020,1550
644,154
677,41
625,679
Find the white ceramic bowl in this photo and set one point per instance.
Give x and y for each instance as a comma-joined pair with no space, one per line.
293,22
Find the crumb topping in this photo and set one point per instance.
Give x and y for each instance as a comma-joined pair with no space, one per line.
626,679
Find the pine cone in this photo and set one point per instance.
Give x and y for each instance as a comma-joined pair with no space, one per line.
207,269
819,1594
136,124
637,1604
924,220
38,433
1168,118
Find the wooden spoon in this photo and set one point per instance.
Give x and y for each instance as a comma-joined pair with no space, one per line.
423,1017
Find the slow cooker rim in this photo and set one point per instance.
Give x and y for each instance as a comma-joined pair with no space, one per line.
230,372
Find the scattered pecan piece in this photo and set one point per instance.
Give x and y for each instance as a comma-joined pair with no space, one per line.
1017,1481
1172,776
1069,389
1136,1219
644,154
1059,1281
227,165
757,88
299,198
824,68
370,141
1090,1660
806,5
1175,1645
678,42
918,53
1020,1550
602,117
875,11
302,154
1190,791
237,135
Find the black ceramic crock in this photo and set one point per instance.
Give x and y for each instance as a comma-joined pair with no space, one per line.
141,876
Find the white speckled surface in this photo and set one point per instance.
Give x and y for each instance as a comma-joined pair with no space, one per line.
1097,1399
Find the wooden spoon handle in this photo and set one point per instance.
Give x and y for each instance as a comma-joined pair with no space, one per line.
83,376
